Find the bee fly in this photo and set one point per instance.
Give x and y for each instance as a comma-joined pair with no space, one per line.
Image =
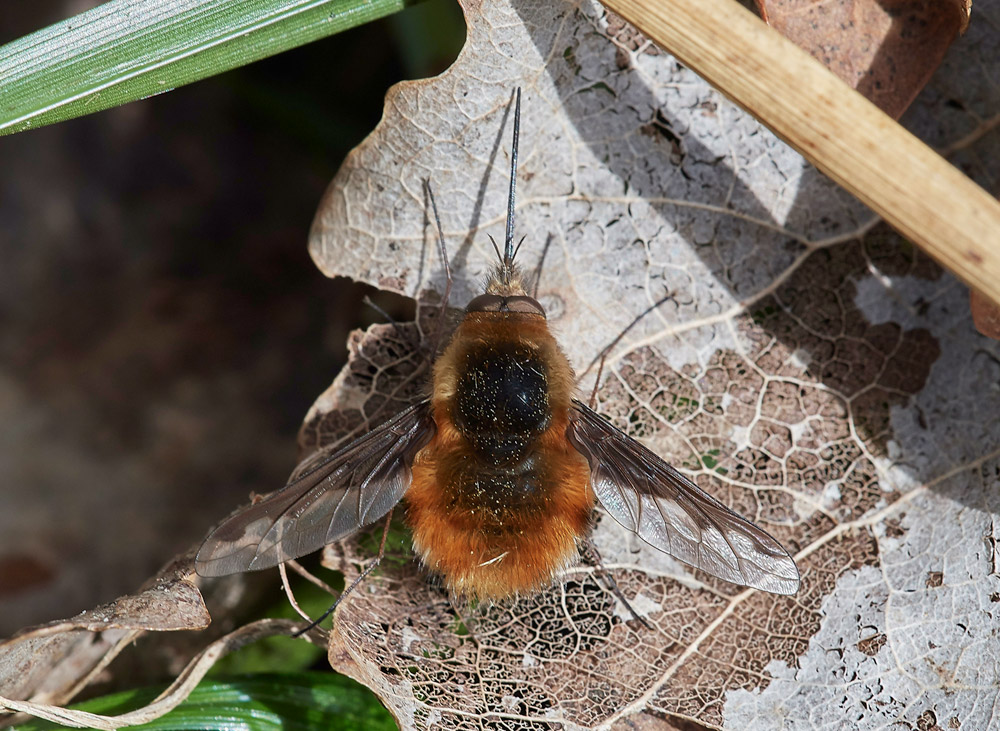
500,469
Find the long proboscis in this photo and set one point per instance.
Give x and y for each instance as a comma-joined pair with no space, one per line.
509,251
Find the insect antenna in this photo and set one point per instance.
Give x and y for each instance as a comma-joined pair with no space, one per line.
496,249
518,247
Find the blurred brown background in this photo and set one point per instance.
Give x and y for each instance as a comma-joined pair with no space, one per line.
162,328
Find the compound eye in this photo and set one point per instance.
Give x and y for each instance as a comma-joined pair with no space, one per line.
498,303
485,303
527,305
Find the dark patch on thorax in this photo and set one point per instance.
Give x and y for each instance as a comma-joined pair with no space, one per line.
501,401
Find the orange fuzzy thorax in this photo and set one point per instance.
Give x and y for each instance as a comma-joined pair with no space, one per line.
486,544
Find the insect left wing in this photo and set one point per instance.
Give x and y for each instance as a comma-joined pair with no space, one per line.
669,512
354,486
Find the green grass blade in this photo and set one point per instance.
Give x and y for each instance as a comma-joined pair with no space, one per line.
272,702
125,50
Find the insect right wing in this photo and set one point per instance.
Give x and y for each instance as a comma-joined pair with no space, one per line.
670,513
351,488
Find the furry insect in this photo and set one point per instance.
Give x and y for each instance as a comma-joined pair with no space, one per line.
500,469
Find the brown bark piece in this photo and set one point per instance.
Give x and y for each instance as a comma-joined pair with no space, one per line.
886,49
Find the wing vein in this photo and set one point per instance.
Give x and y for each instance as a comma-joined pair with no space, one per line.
370,475
682,519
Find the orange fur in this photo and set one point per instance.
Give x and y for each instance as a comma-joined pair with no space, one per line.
483,547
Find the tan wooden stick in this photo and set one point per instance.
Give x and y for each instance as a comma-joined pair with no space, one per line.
918,192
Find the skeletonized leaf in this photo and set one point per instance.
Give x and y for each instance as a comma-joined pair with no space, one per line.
804,365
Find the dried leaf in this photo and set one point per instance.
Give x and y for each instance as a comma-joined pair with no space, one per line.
886,49
986,314
810,369
171,697
51,662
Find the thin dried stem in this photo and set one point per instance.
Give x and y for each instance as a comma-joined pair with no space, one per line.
309,576
290,594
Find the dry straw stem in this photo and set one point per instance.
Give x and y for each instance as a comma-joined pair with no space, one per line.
843,134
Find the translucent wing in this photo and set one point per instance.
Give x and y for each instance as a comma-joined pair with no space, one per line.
669,512
354,486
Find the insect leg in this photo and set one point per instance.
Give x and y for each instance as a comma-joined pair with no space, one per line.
591,555
361,577
465,614
669,297
597,381
371,303
291,595
536,276
447,267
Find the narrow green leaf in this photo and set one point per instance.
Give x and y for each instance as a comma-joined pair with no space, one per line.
266,702
125,50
